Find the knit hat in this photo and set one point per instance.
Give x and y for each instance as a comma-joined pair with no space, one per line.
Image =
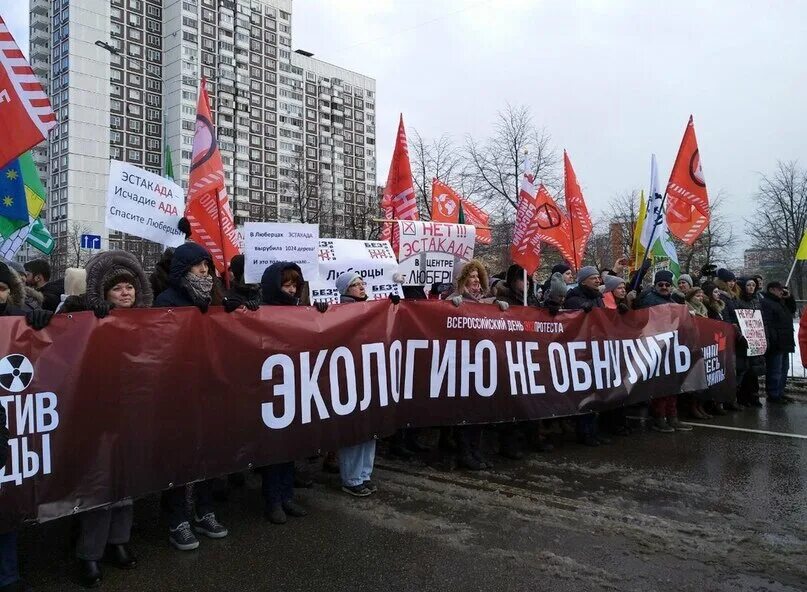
586,272
557,288
75,281
725,275
612,282
663,276
560,268
5,274
687,278
344,281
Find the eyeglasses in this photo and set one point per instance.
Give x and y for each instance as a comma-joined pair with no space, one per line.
664,285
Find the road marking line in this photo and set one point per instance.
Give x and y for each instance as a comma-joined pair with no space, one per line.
734,429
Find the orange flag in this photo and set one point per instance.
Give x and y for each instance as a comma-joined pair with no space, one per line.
207,208
399,201
687,201
580,222
551,224
525,249
448,206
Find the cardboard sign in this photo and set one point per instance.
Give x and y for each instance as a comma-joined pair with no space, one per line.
431,252
143,204
753,330
269,242
374,261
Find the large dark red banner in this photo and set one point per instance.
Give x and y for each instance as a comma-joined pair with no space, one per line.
100,410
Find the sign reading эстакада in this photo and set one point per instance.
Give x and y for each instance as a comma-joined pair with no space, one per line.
432,252
143,204
269,242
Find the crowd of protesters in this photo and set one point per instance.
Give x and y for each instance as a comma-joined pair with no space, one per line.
186,276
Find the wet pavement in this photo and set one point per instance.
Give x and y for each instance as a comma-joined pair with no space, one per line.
709,510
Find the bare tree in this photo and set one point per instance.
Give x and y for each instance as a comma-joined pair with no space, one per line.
76,256
780,217
714,244
359,219
304,187
497,162
623,211
436,159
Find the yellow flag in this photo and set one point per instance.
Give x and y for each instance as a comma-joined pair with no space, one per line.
801,254
637,249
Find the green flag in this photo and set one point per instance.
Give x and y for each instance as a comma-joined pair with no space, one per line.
34,195
40,238
168,163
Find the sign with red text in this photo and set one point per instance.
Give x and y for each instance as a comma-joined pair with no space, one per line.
374,261
753,330
432,252
144,204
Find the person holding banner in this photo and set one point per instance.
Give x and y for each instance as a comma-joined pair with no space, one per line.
241,293
281,285
115,279
355,462
191,282
749,367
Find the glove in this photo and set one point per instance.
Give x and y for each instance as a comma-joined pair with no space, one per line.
398,278
231,304
203,307
395,298
456,301
503,305
321,306
587,307
742,341
253,304
101,309
622,308
678,298
553,307
39,318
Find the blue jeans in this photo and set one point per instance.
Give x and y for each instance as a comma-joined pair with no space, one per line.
777,366
9,573
356,463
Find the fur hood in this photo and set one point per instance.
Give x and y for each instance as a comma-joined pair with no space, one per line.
35,295
732,294
472,265
16,289
105,266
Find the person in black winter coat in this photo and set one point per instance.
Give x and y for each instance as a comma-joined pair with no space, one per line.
661,293
9,571
749,368
281,285
159,277
241,293
778,308
37,275
586,295
191,282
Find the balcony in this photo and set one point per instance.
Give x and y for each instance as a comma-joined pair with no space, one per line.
40,37
40,52
40,7
40,22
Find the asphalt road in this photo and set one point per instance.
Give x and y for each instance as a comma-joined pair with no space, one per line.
709,510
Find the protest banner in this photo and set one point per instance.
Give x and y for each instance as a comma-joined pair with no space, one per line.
374,261
220,393
753,330
269,242
430,252
144,204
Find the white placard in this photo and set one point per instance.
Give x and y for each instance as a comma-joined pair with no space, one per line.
753,330
268,242
431,252
143,204
373,260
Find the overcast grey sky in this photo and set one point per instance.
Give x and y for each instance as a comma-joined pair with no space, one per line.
611,80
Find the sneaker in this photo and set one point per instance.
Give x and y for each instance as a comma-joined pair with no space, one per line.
293,509
182,537
210,527
677,426
370,486
357,490
660,425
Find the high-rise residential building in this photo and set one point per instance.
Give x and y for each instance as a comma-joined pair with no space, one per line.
296,134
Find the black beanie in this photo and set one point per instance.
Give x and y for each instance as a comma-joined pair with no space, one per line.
237,266
663,276
5,274
725,275
560,268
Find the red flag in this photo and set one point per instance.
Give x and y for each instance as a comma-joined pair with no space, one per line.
687,201
399,201
446,207
25,113
526,247
208,209
579,220
551,225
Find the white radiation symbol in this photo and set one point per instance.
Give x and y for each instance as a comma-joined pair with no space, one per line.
16,373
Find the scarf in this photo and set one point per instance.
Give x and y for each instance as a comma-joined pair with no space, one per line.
198,288
699,308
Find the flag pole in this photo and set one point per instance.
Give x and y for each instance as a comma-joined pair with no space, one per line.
790,275
221,240
656,224
526,285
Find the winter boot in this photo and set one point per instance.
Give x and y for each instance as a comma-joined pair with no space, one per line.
677,426
660,425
